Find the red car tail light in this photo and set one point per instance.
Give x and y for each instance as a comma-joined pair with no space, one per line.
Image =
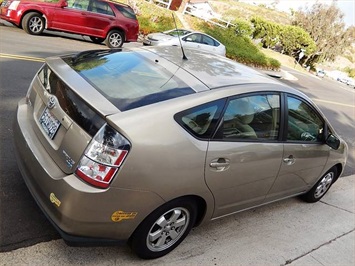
103,157
12,4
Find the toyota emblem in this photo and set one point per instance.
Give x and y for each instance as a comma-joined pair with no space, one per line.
51,102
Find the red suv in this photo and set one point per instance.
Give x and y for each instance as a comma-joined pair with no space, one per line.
101,20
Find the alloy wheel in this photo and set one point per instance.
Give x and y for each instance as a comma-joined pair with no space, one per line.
323,185
168,229
36,24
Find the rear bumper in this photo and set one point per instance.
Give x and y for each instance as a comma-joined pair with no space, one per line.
10,16
79,212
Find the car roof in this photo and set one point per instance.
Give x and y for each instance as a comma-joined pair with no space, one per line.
213,70
201,72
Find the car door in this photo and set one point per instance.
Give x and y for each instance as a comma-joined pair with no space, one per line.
201,42
72,18
305,152
244,157
192,40
101,16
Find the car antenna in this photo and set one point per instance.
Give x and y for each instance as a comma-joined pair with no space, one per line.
182,48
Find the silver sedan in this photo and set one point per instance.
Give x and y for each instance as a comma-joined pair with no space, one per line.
189,39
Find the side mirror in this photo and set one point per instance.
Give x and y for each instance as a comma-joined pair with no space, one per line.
63,3
333,142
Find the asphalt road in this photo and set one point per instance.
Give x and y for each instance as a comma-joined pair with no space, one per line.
21,222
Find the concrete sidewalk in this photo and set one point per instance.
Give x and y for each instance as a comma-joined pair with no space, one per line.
288,232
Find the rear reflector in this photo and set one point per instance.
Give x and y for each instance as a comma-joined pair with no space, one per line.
103,157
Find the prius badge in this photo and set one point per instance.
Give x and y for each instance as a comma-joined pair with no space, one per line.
51,102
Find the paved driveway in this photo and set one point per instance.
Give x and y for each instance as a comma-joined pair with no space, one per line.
289,232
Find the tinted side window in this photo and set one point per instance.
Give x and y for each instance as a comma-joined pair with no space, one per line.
78,4
193,38
201,120
304,123
101,8
126,11
72,104
253,117
208,41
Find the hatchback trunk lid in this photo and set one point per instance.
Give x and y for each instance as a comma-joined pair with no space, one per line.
63,115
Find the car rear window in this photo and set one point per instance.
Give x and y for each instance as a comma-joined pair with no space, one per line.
73,105
127,79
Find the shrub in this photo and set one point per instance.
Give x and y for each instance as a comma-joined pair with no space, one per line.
291,38
152,18
240,48
243,27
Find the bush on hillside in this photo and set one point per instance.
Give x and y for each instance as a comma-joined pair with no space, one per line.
152,18
243,27
350,71
291,39
240,48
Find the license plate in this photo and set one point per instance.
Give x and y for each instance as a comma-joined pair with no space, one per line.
49,123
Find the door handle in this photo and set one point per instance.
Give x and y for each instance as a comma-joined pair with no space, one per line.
220,164
290,160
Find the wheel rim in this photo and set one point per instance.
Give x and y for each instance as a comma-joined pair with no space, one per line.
36,24
115,40
168,229
324,185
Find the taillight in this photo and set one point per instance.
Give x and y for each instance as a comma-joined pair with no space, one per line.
103,157
13,4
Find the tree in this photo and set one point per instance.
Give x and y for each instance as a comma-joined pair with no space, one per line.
325,25
291,39
294,39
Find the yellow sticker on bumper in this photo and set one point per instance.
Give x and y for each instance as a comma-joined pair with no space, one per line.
54,199
118,216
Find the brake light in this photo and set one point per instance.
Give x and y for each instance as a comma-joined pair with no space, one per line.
103,157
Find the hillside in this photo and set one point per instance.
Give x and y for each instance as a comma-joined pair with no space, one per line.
231,9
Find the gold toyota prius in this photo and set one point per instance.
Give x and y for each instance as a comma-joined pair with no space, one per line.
142,145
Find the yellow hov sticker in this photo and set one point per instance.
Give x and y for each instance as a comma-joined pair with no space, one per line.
54,199
118,216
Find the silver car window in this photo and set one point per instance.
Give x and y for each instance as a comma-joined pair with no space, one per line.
100,7
304,123
208,41
78,4
252,117
201,120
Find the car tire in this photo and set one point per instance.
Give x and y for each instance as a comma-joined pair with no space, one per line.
97,40
158,234
114,39
321,187
33,23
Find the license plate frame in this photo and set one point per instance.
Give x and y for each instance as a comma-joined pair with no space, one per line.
49,123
